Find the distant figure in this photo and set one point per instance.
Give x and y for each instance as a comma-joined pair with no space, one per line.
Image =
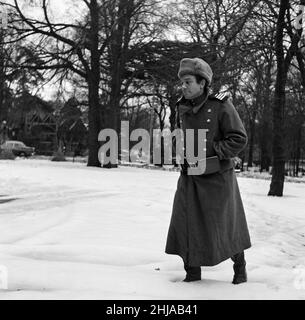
3,132
77,151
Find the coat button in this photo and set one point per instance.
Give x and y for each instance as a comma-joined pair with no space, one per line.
210,110
205,140
209,120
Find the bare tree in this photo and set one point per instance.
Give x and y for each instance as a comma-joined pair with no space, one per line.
283,64
96,49
67,53
218,27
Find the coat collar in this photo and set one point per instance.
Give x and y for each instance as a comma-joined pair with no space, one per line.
192,106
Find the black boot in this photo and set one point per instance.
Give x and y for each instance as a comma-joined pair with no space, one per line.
192,273
239,267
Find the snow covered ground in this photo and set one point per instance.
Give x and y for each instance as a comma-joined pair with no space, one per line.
72,232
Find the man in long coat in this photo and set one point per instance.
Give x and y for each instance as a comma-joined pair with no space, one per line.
208,223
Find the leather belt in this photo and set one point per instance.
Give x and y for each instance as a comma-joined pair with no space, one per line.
212,165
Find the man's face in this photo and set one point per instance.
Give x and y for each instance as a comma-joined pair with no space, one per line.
190,88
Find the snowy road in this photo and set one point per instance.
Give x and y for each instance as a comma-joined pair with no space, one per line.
72,232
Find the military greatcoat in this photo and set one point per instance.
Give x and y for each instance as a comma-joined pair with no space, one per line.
208,223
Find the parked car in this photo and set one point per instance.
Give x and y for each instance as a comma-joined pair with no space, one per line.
18,148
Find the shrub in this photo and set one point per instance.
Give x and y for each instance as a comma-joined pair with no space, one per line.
7,155
58,156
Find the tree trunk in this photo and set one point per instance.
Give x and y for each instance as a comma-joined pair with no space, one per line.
2,80
172,105
118,46
94,126
251,143
265,159
278,169
266,131
93,85
298,150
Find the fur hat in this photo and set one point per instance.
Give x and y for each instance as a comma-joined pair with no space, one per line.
195,66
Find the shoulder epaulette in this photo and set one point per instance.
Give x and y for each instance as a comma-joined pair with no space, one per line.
179,100
220,96
178,121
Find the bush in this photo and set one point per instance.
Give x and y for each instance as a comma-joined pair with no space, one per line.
58,156
7,155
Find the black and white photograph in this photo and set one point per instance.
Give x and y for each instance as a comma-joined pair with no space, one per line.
152,150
